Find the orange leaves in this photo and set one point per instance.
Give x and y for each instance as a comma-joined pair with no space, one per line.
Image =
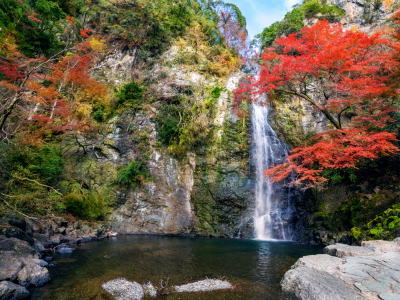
336,149
84,32
48,93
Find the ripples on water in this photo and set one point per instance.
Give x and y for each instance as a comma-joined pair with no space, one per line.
255,267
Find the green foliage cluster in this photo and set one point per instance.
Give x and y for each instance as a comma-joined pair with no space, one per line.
185,124
45,163
169,120
133,174
384,226
131,95
337,176
34,180
294,20
362,204
88,205
27,174
36,37
150,25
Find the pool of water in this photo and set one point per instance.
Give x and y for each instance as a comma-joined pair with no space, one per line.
254,267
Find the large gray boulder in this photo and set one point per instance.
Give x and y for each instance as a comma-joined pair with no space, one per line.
20,247
10,265
33,274
12,291
122,289
311,284
371,271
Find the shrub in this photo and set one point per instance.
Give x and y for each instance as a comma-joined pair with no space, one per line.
132,175
131,95
41,163
168,124
89,205
384,226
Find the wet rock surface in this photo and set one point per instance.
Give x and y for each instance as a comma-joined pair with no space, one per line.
27,245
370,271
12,291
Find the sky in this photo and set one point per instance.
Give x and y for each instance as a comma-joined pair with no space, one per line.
262,13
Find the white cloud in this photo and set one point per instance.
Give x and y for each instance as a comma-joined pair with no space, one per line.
289,3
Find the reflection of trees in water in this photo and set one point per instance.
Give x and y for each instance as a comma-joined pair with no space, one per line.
255,267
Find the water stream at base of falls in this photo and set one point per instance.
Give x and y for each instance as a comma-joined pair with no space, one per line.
273,202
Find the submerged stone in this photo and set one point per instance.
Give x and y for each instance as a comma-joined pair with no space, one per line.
64,249
122,289
204,286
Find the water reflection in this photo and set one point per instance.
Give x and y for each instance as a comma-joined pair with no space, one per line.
256,267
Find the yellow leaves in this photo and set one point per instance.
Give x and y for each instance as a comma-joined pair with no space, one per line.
355,28
97,45
83,111
8,46
388,4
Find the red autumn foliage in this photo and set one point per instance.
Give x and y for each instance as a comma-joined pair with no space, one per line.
343,74
43,92
84,32
34,19
335,149
70,19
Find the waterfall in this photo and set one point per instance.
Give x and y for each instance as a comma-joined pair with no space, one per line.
273,208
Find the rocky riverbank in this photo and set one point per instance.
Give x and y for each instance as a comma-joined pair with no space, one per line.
27,247
370,271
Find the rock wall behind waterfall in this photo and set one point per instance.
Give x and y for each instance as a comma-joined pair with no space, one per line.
207,189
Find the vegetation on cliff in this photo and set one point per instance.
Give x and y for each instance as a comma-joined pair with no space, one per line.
56,105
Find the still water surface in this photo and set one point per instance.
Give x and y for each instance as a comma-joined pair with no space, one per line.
255,267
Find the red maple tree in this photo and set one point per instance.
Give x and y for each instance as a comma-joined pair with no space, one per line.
43,91
343,74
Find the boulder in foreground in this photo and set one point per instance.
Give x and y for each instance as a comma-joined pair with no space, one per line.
12,291
122,289
370,272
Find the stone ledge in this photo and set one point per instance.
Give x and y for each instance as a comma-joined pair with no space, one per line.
370,271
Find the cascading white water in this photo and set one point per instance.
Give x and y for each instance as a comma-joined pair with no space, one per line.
273,210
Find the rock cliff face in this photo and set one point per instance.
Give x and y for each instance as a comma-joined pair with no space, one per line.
206,189
364,14
161,205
